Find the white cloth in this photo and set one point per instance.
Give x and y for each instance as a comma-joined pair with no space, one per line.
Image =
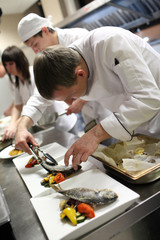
124,76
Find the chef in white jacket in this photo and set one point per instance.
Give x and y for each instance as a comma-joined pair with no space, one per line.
37,32
114,67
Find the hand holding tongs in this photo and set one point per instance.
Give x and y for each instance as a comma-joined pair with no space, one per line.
35,151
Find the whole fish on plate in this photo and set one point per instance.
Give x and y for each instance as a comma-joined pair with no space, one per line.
90,196
52,165
66,170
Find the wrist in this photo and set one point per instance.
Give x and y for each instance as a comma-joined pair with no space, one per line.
99,133
25,123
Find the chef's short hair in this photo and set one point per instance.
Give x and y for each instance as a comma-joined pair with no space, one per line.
51,30
55,66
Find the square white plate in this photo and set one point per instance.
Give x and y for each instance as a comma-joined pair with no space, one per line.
33,176
47,205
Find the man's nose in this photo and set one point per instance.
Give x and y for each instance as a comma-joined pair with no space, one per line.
35,49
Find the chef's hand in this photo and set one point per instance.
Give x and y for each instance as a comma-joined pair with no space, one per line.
76,106
9,132
22,138
85,146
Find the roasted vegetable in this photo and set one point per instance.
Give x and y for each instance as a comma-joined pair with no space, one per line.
51,179
31,163
81,219
70,212
86,209
59,178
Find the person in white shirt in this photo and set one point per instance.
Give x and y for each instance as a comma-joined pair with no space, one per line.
37,32
21,76
114,67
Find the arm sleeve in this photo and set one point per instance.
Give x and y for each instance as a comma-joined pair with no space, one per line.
35,107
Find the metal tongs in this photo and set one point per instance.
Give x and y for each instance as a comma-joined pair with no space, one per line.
36,153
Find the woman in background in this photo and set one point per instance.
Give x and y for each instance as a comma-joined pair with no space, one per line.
21,76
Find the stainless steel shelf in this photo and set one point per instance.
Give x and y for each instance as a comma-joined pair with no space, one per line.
128,14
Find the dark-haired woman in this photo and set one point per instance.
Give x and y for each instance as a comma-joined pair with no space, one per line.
21,76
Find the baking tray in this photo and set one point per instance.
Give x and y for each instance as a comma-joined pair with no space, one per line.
137,177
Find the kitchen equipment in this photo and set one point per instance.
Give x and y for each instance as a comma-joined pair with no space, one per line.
38,154
56,116
50,119
137,177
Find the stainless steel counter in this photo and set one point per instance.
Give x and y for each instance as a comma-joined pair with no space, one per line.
26,225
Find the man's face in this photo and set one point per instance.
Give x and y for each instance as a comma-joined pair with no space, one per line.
38,43
69,94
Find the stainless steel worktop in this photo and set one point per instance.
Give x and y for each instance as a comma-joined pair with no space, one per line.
26,225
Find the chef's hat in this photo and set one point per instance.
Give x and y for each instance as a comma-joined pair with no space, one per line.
30,25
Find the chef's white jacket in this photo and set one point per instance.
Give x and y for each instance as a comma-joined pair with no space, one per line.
124,76
23,93
36,105
93,110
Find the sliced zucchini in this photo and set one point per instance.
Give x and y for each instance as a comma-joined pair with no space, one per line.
78,214
81,219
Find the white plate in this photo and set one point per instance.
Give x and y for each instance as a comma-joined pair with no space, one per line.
4,154
33,176
47,205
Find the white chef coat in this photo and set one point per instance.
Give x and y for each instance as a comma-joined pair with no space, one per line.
36,105
94,110
23,93
39,108
69,35
124,76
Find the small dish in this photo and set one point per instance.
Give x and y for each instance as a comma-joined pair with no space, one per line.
4,154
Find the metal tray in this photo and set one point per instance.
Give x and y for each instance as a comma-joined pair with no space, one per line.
138,177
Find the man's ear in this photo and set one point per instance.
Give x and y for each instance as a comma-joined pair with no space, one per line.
45,30
80,72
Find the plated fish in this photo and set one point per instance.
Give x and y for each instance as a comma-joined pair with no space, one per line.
90,196
66,170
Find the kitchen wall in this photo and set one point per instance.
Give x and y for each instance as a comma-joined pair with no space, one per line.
52,9
8,37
